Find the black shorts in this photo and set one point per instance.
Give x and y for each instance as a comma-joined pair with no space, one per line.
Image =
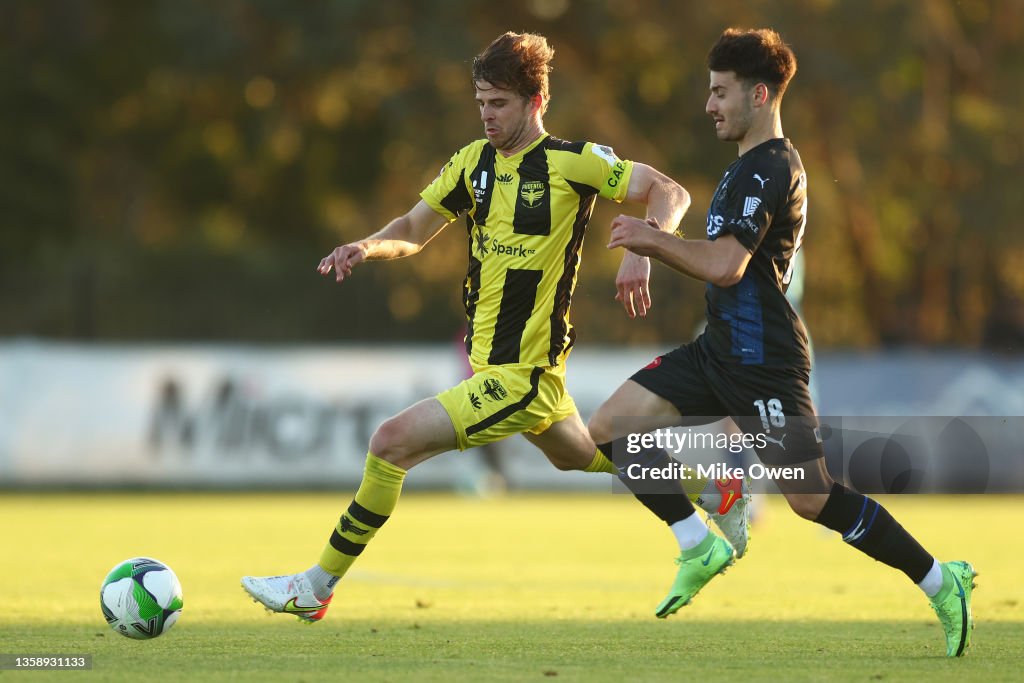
771,404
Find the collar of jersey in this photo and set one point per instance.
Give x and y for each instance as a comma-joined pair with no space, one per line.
519,155
767,143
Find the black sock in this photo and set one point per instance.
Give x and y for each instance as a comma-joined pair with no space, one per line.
869,528
664,497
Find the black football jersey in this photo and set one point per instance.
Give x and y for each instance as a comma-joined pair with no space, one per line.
761,201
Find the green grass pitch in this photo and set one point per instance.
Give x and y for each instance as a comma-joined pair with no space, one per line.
519,588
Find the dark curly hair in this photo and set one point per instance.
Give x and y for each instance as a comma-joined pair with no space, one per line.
756,56
518,62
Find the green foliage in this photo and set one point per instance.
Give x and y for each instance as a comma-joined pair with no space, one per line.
200,158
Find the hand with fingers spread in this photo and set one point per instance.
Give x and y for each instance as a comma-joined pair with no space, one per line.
343,259
632,284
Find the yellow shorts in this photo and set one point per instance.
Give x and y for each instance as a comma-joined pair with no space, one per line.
501,400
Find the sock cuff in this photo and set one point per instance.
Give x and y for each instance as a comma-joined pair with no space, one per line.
383,471
700,548
379,491
832,512
601,463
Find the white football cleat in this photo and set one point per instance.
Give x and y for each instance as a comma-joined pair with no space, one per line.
291,594
727,501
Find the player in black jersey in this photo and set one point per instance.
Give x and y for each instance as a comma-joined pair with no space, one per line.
752,361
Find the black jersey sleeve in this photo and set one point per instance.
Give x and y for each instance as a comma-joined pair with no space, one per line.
755,196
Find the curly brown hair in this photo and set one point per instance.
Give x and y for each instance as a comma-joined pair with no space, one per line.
518,62
756,56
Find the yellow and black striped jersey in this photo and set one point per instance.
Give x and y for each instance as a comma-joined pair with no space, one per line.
526,216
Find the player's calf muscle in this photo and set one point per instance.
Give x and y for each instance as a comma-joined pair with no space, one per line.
806,505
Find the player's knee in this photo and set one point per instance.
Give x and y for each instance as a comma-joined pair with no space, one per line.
390,441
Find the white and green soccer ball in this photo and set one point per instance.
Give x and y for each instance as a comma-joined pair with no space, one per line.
141,598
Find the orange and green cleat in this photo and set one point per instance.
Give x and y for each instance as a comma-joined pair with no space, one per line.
728,503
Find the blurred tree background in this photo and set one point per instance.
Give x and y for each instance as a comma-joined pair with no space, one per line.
175,169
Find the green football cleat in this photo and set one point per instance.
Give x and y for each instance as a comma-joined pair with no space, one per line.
952,604
696,567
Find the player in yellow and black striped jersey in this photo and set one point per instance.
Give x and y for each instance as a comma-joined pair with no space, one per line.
526,216
526,198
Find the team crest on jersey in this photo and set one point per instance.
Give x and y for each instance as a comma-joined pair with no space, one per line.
493,390
532,192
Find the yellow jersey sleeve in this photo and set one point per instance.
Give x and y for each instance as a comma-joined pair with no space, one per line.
449,194
599,168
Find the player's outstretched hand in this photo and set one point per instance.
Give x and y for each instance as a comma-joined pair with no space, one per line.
632,284
343,259
635,234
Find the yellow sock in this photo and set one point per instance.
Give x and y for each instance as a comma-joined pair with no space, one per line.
601,464
374,502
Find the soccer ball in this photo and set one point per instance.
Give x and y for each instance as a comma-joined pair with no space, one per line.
141,598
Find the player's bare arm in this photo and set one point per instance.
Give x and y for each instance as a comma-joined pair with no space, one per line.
403,236
721,262
666,202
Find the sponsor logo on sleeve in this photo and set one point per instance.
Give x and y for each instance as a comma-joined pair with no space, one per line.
715,223
750,205
748,224
605,153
